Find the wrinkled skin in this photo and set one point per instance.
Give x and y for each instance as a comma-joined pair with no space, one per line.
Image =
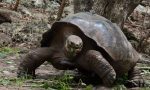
37,57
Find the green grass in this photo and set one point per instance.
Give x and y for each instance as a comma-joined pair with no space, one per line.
119,87
61,83
89,87
145,88
12,81
5,82
64,82
122,79
5,51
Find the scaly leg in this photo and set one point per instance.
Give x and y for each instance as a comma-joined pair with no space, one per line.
101,67
135,78
37,57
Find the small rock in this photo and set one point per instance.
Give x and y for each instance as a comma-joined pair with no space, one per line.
7,73
24,10
4,40
146,3
102,88
9,62
8,1
52,7
37,3
12,66
142,9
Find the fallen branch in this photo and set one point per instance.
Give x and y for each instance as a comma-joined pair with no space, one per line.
144,68
144,62
32,85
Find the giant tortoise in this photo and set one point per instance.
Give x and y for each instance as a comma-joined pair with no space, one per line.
88,42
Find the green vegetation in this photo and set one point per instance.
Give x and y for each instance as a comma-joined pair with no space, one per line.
65,82
61,83
89,87
4,82
119,87
122,79
5,51
11,81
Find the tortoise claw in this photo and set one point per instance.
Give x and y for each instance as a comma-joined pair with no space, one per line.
135,78
109,79
135,83
24,74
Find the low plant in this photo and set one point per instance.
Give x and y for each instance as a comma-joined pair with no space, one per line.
4,51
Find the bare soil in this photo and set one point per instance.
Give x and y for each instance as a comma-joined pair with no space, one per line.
9,63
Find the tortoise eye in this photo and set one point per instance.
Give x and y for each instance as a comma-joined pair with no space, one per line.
80,45
71,43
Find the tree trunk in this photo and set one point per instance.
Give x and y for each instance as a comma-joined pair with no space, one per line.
115,10
82,5
61,9
16,5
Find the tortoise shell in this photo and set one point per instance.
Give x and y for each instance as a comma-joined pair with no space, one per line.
103,32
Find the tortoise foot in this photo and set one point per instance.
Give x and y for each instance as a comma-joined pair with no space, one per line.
135,78
109,79
101,67
135,83
23,74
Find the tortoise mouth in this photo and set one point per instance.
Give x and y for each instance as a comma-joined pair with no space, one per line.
72,51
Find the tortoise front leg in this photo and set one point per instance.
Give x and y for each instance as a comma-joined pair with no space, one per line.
35,58
101,67
135,78
32,60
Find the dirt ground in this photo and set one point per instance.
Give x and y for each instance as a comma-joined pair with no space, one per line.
25,32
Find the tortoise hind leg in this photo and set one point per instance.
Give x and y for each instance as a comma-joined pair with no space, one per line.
101,67
135,78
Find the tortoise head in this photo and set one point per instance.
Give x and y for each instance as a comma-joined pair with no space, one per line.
73,45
